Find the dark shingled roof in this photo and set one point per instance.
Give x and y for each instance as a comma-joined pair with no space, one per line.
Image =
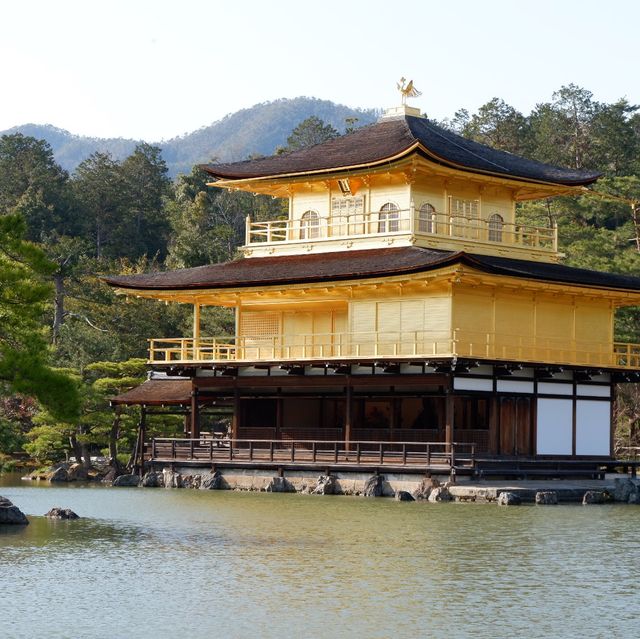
156,392
361,264
394,137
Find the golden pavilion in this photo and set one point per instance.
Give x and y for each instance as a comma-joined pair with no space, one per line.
400,315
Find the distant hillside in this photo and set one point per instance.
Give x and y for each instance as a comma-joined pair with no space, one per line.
259,129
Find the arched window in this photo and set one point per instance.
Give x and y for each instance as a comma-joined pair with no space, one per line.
309,225
388,218
425,218
496,222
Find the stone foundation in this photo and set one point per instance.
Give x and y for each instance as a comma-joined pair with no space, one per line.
421,488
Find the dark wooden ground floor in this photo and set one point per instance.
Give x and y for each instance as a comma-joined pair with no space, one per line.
490,411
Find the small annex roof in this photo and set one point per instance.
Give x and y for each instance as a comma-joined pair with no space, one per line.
360,264
156,392
391,139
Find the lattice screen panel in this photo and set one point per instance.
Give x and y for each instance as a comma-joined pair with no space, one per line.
259,324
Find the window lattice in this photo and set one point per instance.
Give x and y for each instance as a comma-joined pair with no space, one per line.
347,206
309,225
256,324
464,208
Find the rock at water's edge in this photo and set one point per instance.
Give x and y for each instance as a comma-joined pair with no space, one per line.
153,480
440,494
595,497
279,485
77,472
61,513
59,474
626,490
425,488
127,480
374,486
326,485
10,514
547,497
508,499
212,481
403,495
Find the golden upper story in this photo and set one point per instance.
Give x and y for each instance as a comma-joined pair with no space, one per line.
401,182
400,244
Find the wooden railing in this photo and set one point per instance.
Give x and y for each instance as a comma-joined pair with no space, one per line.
309,452
390,345
389,223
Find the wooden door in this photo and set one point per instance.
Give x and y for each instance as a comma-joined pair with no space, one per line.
515,426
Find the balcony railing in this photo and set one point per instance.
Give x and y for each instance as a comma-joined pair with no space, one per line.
396,346
406,221
419,455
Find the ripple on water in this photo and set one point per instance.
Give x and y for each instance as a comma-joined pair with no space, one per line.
199,563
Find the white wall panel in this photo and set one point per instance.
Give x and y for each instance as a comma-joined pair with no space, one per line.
465,383
589,390
593,428
549,388
513,386
555,427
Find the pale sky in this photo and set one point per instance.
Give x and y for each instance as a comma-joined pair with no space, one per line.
157,69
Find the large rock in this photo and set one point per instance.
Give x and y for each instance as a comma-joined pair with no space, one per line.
279,485
61,513
508,499
77,472
59,474
212,481
172,479
626,490
326,485
374,486
426,486
191,481
403,495
440,494
152,480
110,476
595,497
547,497
127,480
10,514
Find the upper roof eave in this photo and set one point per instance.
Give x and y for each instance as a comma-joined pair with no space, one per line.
388,141
360,265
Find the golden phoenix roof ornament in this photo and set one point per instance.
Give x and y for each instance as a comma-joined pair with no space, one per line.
408,91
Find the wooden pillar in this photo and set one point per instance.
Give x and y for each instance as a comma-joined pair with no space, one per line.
142,435
235,419
279,415
196,331
449,427
348,415
195,415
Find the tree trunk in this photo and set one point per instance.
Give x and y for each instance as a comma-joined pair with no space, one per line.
86,457
113,436
58,308
76,448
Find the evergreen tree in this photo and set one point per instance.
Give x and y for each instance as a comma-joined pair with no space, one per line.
23,348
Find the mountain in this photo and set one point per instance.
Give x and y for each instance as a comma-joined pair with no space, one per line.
259,129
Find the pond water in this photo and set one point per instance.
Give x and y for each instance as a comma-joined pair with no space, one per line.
188,563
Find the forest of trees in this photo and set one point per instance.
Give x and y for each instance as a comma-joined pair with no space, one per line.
67,342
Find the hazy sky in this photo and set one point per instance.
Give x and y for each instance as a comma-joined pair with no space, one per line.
158,69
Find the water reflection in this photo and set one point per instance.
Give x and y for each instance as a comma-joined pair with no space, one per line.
198,563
